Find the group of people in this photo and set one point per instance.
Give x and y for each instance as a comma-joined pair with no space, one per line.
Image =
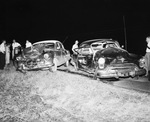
6,54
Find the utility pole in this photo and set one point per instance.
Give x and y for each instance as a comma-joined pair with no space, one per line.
65,39
124,24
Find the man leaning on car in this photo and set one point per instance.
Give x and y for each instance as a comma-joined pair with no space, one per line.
15,48
147,57
74,55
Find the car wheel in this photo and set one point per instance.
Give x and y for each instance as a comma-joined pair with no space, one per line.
135,77
54,67
67,64
21,69
74,64
15,64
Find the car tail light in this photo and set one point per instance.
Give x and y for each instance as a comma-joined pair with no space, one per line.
101,63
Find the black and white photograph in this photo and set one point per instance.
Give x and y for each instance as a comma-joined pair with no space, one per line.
74,61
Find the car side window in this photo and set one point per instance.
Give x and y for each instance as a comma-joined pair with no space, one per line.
109,45
49,46
97,46
58,47
86,51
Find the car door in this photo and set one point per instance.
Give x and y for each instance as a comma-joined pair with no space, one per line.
65,54
85,57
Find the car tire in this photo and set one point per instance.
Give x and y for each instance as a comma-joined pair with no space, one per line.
54,67
66,64
22,70
136,77
15,63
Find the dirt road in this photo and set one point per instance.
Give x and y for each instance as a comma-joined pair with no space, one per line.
141,84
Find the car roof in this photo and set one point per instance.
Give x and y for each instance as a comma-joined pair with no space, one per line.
89,42
46,41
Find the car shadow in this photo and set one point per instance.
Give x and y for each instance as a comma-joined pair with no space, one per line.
89,75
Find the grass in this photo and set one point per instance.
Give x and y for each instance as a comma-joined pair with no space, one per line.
43,96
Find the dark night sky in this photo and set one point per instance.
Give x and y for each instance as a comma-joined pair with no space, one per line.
76,19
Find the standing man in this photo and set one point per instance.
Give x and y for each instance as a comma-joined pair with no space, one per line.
74,55
28,44
7,56
15,48
2,54
147,57
75,46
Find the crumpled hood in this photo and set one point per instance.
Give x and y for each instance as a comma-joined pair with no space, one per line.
112,52
115,52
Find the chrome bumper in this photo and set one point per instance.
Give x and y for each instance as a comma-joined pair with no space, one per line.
121,73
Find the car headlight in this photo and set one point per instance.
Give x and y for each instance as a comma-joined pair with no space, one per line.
101,63
46,56
142,62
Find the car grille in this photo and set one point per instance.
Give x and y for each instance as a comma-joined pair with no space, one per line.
123,66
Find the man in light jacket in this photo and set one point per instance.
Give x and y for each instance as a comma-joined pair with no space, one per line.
15,46
28,44
147,57
2,54
74,55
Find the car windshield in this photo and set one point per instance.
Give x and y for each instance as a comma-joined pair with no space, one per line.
100,46
49,45
44,45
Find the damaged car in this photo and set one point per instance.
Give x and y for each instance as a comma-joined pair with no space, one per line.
104,58
48,54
